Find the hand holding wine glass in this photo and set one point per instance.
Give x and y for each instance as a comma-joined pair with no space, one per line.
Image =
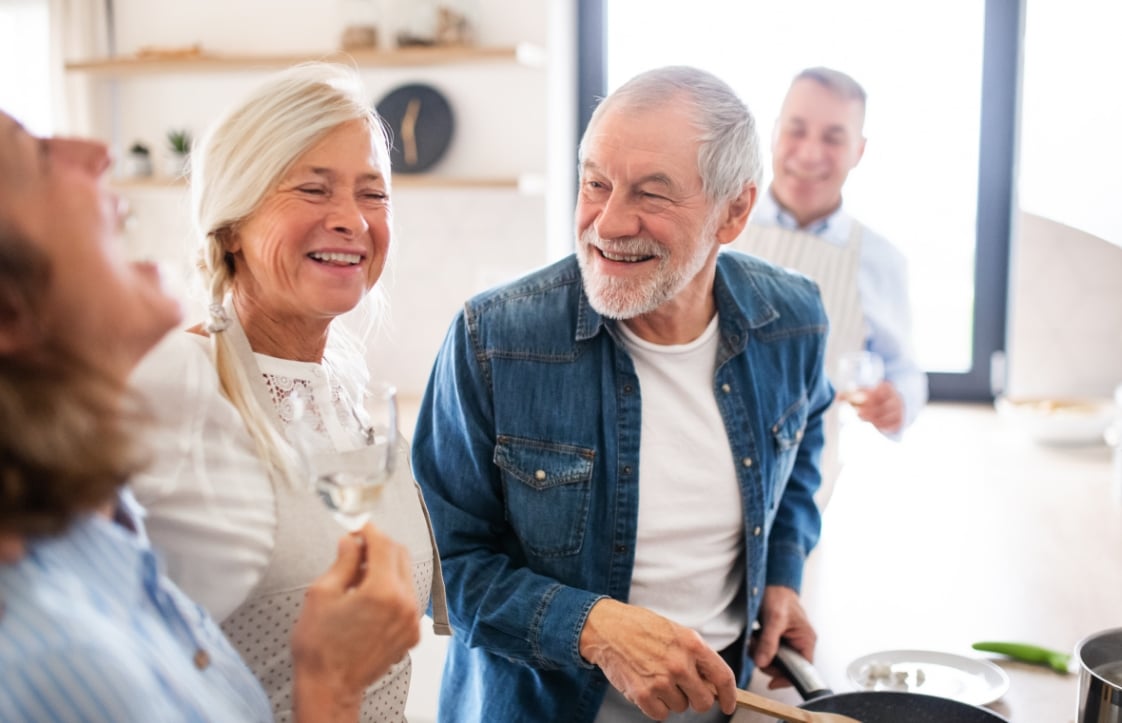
858,372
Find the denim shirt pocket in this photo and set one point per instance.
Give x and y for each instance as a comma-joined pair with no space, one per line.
788,434
548,486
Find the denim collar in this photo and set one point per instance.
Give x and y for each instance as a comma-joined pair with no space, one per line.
739,313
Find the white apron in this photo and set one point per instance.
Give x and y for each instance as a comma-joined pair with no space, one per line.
304,548
835,269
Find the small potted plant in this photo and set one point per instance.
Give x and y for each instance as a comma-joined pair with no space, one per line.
138,162
179,145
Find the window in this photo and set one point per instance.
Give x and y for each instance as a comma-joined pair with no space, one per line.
25,86
941,82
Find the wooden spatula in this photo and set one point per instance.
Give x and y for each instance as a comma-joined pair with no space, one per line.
782,711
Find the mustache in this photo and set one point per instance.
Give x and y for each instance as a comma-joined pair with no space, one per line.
634,246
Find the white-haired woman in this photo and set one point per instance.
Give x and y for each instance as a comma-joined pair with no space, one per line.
291,200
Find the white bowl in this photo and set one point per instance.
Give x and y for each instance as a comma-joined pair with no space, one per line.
1059,421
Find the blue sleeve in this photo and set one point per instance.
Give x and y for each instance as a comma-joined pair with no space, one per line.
494,601
798,521
83,682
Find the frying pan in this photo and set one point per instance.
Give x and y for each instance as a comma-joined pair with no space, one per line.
876,706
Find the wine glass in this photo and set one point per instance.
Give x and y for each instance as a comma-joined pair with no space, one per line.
349,481
858,372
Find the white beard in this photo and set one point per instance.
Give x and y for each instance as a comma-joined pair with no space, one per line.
618,298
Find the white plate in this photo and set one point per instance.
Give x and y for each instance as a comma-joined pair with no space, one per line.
970,680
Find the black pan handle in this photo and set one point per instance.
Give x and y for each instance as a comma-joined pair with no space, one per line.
802,673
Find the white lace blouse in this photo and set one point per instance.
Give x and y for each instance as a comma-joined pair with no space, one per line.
209,477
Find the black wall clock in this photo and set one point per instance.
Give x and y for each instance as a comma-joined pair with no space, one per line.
421,123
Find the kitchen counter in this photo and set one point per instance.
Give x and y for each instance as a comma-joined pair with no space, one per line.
967,531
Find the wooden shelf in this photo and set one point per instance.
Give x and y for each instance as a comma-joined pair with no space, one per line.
528,184
525,54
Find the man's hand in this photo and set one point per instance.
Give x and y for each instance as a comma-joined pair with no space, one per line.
781,616
359,618
883,407
657,664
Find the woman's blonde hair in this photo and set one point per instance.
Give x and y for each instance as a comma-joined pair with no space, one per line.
236,164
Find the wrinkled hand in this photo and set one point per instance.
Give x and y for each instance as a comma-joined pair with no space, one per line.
657,664
883,407
359,618
781,616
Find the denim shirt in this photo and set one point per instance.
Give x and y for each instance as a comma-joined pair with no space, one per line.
527,449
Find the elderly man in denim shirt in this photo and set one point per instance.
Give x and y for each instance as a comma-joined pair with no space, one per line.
620,451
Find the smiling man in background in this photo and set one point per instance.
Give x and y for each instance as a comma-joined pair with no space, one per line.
802,223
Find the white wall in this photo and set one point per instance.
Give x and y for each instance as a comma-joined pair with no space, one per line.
1065,312
1064,333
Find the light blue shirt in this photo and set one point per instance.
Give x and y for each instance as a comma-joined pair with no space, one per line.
91,631
882,286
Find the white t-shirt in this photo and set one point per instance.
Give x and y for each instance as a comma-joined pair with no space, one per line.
690,540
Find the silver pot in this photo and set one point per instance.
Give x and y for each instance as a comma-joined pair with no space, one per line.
1100,677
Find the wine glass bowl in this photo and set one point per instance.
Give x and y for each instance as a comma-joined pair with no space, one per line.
857,373
350,480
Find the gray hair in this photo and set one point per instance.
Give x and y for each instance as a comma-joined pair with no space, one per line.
237,163
729,152
841,84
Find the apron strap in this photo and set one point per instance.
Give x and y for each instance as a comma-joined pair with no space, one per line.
437,595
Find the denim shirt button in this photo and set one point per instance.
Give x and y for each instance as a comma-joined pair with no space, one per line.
539,475
621,549
757,531
726,388
627,469
627,389
747,461
755,591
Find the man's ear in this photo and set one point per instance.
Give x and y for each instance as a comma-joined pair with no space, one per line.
860,153
736,212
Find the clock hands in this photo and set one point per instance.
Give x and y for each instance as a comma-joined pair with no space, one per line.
408,131
420,120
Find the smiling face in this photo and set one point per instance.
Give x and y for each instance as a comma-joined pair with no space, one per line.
98,305
817,142
647,234
318,242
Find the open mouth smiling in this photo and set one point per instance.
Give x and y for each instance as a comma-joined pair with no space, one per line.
625,258
335,258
